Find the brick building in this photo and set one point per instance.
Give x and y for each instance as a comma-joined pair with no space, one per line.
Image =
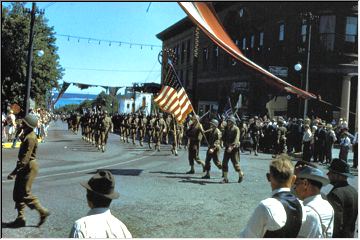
275,36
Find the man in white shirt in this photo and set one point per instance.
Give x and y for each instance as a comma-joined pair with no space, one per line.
307,138
282,215
100,223
307,187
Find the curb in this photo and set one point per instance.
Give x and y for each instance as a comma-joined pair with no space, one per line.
8,145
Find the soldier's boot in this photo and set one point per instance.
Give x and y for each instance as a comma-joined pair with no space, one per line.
206,176
150,147
191,171
141,143
103,148
157,147
20,220
219,165
99,147
225,180
44,213
241,176
176,153
256,153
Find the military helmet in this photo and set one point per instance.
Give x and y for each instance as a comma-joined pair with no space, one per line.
214,122
232,119
31,120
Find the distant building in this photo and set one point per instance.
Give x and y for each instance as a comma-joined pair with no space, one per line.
131,101
275,36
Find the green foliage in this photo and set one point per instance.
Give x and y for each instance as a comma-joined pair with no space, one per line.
68,108
110,103
46,70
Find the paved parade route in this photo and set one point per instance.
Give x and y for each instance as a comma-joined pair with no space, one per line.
157,198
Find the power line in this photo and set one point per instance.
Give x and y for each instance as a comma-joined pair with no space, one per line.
110,42
109,70
49,5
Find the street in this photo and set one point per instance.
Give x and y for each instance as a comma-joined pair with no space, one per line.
157,199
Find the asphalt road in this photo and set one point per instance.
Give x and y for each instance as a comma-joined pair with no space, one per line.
157,199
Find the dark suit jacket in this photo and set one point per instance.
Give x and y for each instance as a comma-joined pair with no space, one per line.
344,199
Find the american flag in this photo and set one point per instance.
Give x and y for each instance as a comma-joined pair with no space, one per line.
172,97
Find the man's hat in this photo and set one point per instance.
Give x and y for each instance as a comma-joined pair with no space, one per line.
314,174
340,167
329,126
103,184
31,120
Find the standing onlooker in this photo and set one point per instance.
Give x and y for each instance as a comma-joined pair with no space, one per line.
345,145
99,222
11,125
25,172
3,125
355,150
307,138
282,215
330,139
343,198
307,187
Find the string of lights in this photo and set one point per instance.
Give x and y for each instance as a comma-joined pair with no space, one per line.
110,70
109,42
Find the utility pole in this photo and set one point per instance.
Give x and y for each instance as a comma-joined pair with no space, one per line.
310,18
29,60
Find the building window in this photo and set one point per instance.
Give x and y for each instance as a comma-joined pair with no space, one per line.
188,51
261,39
244,43
351,29
281,32
303,32
252,41
215,58
327,31
183,50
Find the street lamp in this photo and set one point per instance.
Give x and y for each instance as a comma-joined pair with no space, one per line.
298,68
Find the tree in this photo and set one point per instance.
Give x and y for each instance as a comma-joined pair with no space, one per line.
46,70
107,102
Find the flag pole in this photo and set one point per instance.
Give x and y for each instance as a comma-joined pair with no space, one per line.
192,108
175,134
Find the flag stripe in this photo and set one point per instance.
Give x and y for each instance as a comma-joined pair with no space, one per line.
172,97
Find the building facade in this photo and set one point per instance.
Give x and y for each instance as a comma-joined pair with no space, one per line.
132,101
276,36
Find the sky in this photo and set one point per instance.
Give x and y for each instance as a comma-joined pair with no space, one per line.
89,62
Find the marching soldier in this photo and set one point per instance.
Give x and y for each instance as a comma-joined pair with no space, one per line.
231,142
142,128
24,174
105,127
172,128
160,129
134,127
243,131
168,121
150,131
127,122
194,135
213,151
255,132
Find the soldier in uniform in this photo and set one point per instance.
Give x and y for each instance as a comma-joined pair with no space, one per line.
150,129
222,126
231,142
213,151
24,174
168,121
243,132
134,127
160,129
194,135
142,128
105,127
127,122
172,129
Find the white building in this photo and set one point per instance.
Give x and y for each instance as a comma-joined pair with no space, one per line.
130,102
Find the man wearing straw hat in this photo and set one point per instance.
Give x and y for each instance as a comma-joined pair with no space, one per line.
99,222
308,184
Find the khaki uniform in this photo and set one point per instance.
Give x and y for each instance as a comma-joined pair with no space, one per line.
214,140
26,170
194,135
231,142
105,127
